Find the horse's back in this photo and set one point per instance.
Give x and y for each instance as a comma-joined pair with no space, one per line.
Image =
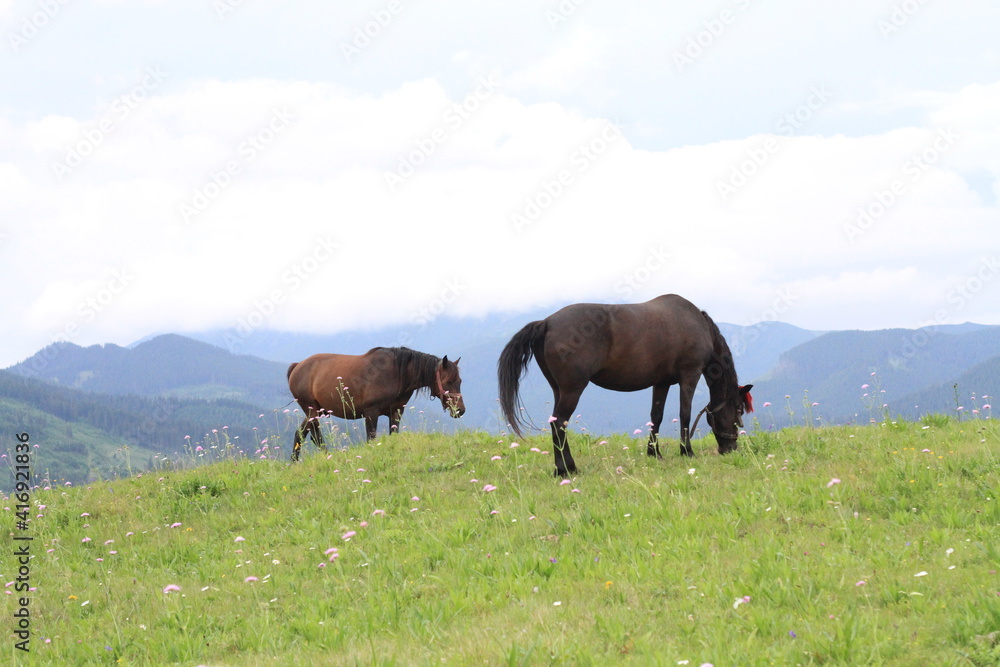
311,364
627,347
317,370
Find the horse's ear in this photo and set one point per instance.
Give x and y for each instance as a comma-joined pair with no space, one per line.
747,398
444,362
456,361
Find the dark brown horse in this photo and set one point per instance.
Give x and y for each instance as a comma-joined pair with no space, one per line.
662,342
376,383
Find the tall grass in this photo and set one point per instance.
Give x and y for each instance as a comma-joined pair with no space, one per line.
849,545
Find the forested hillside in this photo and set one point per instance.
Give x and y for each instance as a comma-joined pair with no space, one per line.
914,371
81,433
168,365
965,396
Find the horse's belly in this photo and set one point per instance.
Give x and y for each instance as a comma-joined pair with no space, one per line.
342,412
615,383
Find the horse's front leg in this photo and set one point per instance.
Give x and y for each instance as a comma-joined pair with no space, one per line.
395,415
687,396
371,425
656,418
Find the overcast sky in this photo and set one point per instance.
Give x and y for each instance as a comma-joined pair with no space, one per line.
187,165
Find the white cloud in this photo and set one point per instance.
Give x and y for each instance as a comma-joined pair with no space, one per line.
323,177
286,148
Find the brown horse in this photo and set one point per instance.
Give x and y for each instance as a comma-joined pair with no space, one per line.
662,342
376,383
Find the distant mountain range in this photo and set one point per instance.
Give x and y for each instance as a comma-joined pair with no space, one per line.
91,402
912,372
167,365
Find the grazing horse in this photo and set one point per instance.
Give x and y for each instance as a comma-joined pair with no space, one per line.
376,383
662,342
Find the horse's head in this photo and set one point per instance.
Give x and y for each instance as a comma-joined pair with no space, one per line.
449,387
726,419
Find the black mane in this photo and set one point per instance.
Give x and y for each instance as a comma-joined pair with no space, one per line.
416,370
720,374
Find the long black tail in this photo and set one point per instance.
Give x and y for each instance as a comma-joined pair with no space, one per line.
511,367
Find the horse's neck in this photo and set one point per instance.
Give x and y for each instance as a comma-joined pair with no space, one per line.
420,377
716,394
718,386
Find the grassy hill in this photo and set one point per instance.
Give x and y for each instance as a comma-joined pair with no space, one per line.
851,545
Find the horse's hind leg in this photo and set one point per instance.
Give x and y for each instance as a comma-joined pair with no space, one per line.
317,433
563,412
656,417
300,435
309,426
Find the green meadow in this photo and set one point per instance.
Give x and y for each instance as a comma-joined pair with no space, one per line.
809,546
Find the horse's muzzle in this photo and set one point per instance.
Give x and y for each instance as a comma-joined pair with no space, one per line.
454,404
